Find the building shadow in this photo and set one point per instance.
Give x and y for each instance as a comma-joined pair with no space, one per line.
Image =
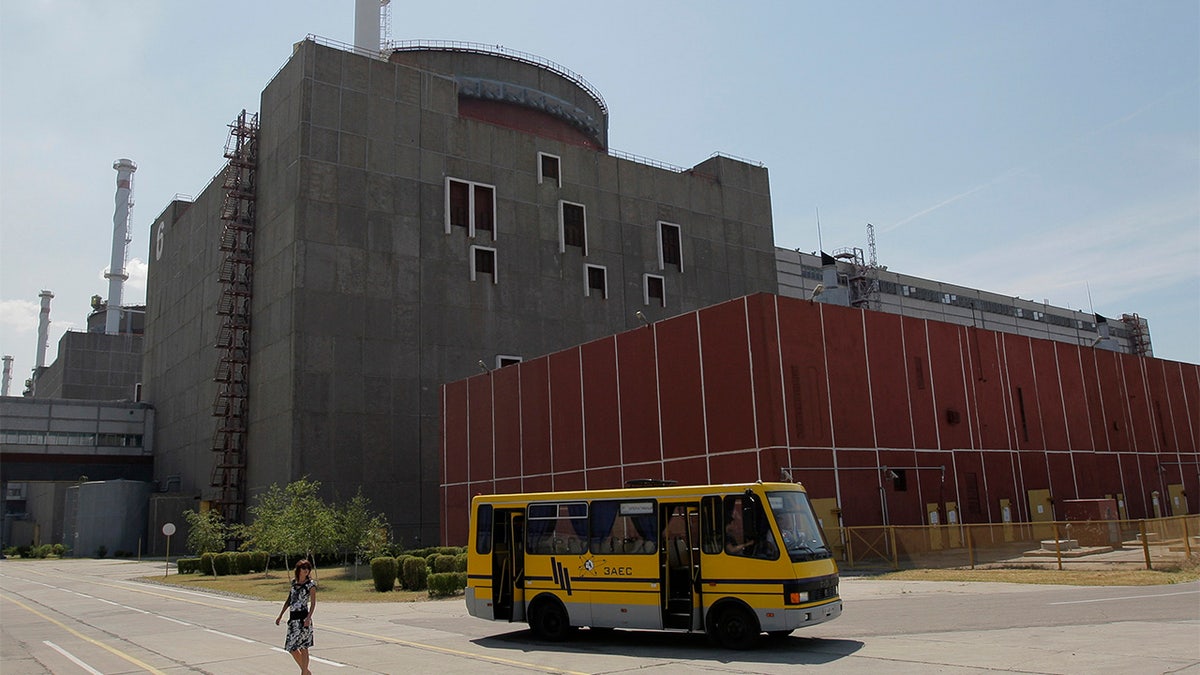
793,650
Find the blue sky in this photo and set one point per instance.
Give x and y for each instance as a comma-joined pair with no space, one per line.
1035,149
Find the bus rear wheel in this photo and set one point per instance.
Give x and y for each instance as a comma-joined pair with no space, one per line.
734,627
548,619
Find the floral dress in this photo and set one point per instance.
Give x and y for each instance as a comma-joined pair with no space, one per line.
299,636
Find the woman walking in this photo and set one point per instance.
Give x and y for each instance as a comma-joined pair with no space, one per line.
301,602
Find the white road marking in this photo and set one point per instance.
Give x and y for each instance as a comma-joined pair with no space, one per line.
71,656
181,623
335,664
1124,597
235,637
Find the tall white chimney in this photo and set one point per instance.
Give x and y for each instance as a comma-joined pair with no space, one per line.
8,359
116,270
366,24
43,328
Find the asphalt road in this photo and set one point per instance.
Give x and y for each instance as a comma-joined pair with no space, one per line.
95,616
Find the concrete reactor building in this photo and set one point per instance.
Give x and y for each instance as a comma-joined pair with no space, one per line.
389,224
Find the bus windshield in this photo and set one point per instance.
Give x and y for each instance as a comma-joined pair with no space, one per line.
798,527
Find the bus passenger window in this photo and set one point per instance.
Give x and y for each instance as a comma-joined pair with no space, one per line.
483,529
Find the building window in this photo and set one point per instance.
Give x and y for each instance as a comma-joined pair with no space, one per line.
572,227
654,292
503,360
669,251
595,279
548,169
470,205
483,261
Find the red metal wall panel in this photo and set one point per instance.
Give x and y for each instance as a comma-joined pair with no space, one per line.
770,410
1074,393
638,387
535,417
735,468
1113,403
687,471
682,400
889,392
990,410
728,387
1095,403
1022,392
456,507
920,389
601,415
479,406
1050,394
566,413
849,390
806,401
507,422
947,356
1141,428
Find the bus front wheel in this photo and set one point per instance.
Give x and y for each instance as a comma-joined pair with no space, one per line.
734,627
548,619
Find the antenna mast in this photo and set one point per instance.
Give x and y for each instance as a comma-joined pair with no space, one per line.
873,268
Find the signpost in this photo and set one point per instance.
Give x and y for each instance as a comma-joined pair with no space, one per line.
168,529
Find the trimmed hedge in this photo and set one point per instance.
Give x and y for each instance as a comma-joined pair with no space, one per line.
206,562
414,572
242,562
460,562
442,564
224,563
383,572
446,583
187,565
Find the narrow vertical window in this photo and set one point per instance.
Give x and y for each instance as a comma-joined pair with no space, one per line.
458,204
483,262
596,281
485,208
919,372
548,169
654,293
669,250
1024,421
572,225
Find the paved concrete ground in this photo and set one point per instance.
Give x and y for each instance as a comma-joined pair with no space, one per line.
94,616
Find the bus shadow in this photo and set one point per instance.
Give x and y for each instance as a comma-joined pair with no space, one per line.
793,649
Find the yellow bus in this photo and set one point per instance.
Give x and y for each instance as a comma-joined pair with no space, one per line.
734,561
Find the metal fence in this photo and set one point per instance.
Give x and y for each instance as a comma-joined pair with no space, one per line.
1091,544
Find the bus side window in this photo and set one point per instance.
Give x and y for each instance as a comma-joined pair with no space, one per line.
483,529
713,537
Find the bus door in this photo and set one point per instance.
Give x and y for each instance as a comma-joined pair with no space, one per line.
508,564
680,564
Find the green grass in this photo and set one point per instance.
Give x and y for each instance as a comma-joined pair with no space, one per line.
334,584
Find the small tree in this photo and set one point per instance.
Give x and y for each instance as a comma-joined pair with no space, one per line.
206,531
359,533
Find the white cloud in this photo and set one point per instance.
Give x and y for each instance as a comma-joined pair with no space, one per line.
19,315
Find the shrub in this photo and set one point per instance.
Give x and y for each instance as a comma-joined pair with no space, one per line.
446,583
259,561
187,565
430,558
225,563
207,562
242,562
383,572
42,551
442,564
460,562
414,573
59,550
101,551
